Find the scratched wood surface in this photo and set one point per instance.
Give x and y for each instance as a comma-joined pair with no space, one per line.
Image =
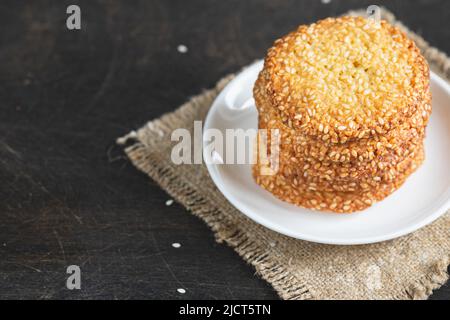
68,195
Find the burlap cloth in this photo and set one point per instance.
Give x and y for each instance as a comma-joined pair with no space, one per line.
406,268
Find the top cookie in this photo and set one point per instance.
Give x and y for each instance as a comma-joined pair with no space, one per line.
345,78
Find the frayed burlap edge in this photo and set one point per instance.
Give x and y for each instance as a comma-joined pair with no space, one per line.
287,285
433,280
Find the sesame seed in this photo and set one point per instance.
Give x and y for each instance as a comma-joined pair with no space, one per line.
182,48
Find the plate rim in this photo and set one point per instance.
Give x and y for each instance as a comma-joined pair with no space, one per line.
442,209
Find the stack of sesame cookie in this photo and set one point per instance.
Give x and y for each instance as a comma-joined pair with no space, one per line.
350,98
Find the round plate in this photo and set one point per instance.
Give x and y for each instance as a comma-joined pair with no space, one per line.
422,199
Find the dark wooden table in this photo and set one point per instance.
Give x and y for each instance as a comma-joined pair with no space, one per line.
68,195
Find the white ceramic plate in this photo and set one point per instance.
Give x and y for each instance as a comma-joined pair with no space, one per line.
422,199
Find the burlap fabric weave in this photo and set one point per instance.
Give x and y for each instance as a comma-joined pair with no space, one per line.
406,268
